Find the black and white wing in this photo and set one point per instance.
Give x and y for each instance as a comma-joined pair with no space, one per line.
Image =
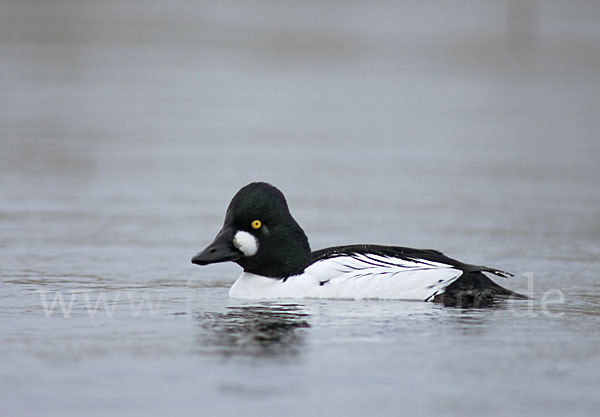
368,273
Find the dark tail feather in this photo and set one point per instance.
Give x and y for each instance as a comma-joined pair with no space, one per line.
474,289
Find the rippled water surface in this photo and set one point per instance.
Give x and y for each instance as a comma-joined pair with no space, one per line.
127,126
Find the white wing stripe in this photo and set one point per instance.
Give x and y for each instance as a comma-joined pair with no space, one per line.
378,276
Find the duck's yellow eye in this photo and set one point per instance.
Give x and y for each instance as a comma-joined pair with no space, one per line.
256,224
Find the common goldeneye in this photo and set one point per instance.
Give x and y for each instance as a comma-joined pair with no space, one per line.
261,236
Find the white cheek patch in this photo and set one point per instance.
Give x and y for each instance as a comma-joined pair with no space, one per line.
246,243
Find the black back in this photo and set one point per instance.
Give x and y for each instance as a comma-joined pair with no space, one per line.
409,254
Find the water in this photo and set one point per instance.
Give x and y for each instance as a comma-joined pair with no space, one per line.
126,127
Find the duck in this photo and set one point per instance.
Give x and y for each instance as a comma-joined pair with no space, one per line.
260,234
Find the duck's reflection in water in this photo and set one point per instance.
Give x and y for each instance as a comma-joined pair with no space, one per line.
264,330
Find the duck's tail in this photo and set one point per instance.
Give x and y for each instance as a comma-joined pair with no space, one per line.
474,289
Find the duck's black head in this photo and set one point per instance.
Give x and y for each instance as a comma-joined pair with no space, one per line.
260,235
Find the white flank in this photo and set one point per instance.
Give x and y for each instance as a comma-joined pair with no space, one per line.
354,277
246,243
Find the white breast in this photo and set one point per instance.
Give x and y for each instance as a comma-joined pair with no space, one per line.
359,276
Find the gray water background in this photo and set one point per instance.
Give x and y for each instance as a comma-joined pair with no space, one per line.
126,127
